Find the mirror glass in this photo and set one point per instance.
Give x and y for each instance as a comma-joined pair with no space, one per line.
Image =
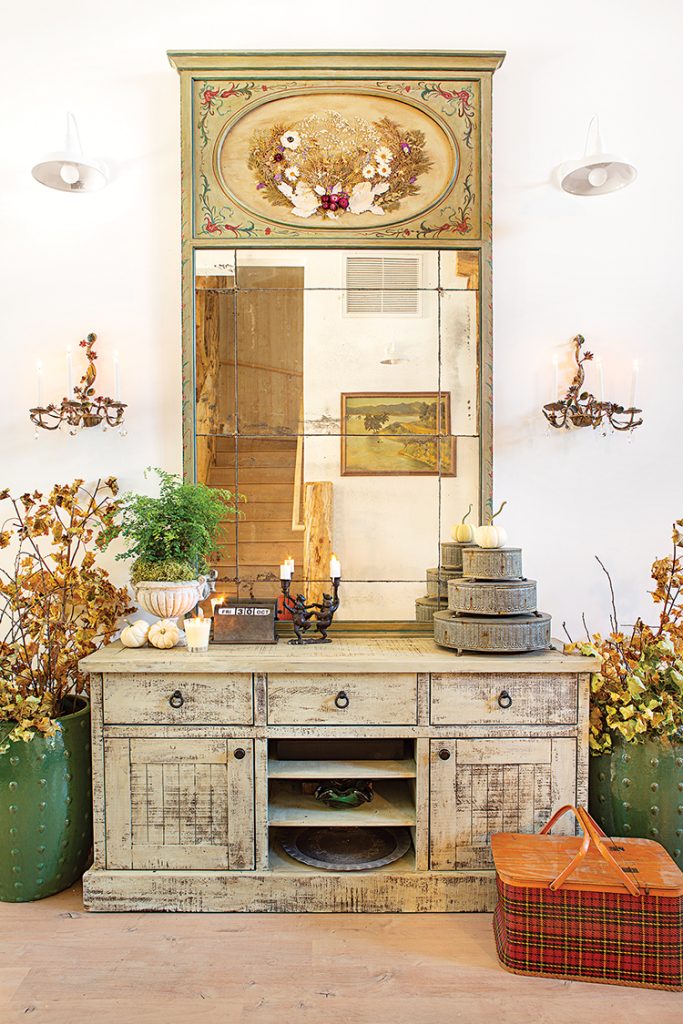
337,394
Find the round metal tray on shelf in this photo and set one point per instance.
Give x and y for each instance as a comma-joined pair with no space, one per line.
437,581
492,634
347,849
492,563
451,554
492,597
426,606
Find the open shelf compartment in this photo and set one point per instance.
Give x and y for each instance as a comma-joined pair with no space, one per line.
280,860
392,804
297,766
348,768
341,759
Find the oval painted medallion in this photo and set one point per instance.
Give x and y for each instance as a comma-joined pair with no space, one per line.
338,159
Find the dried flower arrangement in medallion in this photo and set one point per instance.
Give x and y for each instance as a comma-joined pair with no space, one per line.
336,160
334,166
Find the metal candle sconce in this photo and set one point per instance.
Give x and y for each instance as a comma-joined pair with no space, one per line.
85,409
315,616
581,409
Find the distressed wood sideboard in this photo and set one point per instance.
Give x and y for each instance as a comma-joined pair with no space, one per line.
198,761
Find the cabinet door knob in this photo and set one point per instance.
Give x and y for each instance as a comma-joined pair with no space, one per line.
240,753
176,700
342,699
444,754
504,699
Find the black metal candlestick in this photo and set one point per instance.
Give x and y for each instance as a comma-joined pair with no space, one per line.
316,616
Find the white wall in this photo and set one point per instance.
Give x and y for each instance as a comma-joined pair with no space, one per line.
609,267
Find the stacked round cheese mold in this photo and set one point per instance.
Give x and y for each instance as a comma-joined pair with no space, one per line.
492,607
438,580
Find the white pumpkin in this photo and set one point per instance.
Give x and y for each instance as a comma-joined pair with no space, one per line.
164,634
464,532
490,536
135,635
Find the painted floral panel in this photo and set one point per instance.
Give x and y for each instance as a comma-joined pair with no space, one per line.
364,160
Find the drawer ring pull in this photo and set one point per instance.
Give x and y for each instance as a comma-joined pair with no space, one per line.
342,700
176,700
504,699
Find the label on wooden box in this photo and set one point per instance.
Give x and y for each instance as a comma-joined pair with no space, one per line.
245,622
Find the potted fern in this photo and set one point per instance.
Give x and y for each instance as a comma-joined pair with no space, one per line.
636,720
56,607
171,537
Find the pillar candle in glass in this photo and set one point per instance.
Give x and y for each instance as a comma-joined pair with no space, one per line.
197,631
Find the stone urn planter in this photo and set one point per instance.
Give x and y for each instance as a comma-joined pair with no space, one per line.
172,600
45,809
637,791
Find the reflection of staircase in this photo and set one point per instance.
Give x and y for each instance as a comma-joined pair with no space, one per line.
265,476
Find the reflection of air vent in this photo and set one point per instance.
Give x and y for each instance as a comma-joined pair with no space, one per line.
383,285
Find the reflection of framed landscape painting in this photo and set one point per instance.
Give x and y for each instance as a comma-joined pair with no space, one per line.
397,434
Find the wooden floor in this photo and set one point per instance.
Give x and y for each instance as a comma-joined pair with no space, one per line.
61,965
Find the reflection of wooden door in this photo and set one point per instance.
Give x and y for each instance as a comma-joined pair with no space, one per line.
270,349
480,786
214,353
180,803
250,341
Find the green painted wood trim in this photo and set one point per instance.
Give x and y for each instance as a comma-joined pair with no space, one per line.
404,60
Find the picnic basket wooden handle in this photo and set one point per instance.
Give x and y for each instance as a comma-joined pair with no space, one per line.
597,835
592,833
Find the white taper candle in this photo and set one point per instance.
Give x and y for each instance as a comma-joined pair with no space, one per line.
601,378
634,382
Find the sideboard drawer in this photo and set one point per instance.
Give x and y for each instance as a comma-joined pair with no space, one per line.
173,699
342,699
500,699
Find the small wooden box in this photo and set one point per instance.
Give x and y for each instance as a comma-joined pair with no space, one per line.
245,622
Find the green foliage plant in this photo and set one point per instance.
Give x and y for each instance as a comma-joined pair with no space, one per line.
173,535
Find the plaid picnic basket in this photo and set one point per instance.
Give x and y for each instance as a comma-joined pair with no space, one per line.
588,908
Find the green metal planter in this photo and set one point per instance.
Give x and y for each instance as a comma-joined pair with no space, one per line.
46,810
637,790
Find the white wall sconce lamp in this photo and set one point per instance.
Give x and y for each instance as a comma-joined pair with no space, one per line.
597,172
69,170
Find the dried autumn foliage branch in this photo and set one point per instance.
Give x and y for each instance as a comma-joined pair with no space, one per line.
56,604
639,688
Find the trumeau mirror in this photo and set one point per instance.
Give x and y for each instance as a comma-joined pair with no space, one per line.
337,331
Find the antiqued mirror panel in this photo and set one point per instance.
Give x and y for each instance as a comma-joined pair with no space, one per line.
338,393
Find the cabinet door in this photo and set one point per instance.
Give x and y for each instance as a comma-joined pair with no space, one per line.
481,786
179,803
